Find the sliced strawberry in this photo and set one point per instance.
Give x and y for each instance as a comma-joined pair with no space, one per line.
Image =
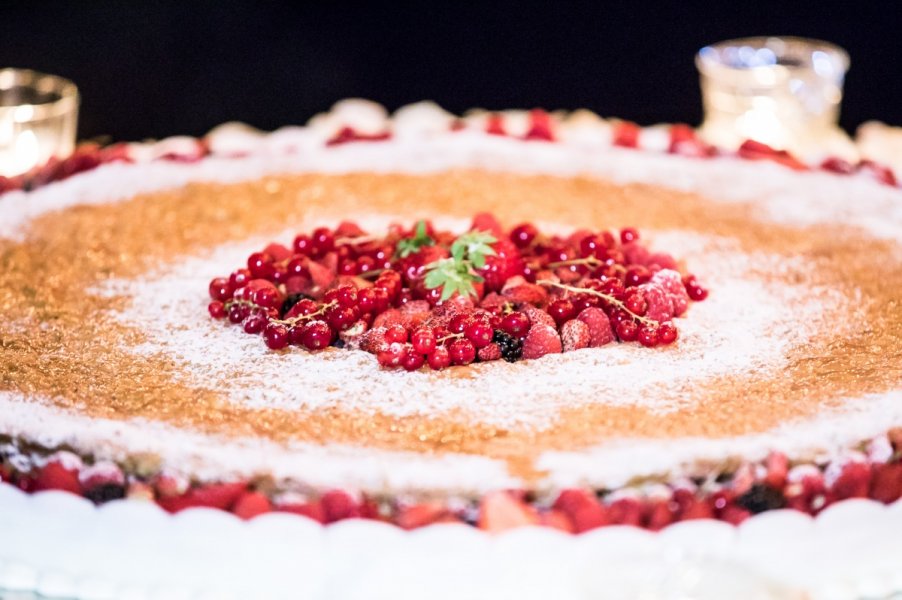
626,134
599,326
659,515
494,124
734,514
526,293
837,165
697,509
626,511
348,229
298,284
541,340
55,476
420,515
541,126
881,173
214,495
777,466
752,150
557,519
313,510
278,252
501,511
321,276
251,504
493,300
575,335
583,509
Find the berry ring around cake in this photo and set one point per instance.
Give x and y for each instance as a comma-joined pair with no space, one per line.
504,345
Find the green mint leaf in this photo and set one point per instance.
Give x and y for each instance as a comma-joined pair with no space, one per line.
412,245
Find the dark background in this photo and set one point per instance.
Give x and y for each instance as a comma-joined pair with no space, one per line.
156,69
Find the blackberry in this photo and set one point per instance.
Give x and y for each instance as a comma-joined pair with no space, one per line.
511,347
290,301
761,497
105,492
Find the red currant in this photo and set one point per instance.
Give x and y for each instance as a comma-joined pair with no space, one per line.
423,340
458,323
347,296
627,331
238,312
648,336
636,275
628,234
516,324
440,359
667,333
322,241
267,297
366,300
260,265
462,351
275,336
561,311
239,278
479,333
302,245
396,334
316,335
216,309
220,289
636,303
413,361
254,324
523,235
393,355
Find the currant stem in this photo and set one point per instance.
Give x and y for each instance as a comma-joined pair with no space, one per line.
589,261
607,298
450,336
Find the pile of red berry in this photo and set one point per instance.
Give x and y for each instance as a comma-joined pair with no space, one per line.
420,296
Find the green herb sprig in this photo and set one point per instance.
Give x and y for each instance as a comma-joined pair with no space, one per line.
412,245
457,274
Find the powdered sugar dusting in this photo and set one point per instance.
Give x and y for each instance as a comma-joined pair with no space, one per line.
745,326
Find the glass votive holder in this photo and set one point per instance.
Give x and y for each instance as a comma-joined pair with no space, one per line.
38,119
782,91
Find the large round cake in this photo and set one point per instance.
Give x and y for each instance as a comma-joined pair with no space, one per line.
779,386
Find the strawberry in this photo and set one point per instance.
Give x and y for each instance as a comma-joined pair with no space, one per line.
251,504
214,495
837,165
540,126
886,486
313,510
487,222
501,511
538,316
626,134
413,267
170,484
660,306
278,252
419,515
854,481
659,515
697,509
557,519
525,293
583,509
684,142
392,316
338,505
752,150
626,511
489,353
55,475
881,173
373,340
734,514
575,335
777,468
599,326
298,284
541,340
348,229
493,300
321,276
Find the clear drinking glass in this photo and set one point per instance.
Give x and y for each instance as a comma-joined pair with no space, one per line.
782,91
38,119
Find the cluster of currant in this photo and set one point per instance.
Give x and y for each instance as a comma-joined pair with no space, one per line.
419,296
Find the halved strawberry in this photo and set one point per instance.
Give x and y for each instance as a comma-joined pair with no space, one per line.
541,126
56,476
575,335
626,134
626,511
501,511
213,495
525,293
485,221
420,515
278,252
886,486
312,510
557,519
338,505
599,326
583,509
251,504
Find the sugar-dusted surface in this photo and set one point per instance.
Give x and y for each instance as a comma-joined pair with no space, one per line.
830,351
744,327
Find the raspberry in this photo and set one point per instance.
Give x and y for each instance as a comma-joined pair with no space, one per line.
538,316
575,335
660,306
672,284
489,353
600,330
251,504
583,508
525,293
542,339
